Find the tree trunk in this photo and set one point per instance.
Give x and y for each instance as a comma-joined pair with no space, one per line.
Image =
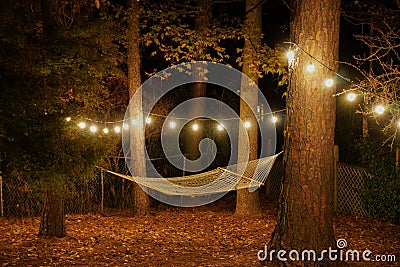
141,201
52,220
248,202
306,205
198,89
365,125
49,17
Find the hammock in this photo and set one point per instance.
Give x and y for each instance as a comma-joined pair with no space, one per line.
254,174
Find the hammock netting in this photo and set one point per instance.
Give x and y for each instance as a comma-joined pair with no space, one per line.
250,175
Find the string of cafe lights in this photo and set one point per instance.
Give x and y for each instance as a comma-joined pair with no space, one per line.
107,127
351,95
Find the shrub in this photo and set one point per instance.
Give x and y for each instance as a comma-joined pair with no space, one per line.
381,196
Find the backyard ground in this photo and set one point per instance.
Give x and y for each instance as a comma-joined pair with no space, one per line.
205,236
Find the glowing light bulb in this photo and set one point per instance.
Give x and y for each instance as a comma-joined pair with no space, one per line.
134,122
93,128
117,129
247,124
148,120
125,126
172,125
274,119
351,96
82,125
379,109
290,56
68,119
328,82
220,127
310,67
106,131
195,127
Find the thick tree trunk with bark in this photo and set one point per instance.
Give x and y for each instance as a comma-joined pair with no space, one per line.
249,202
141,201
306,204
52,220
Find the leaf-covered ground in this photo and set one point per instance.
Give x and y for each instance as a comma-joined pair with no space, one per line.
207,236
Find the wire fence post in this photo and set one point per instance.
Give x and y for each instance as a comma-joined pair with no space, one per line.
335,177
184,164
1,197
102,190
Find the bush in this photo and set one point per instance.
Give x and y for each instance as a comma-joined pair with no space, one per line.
381,196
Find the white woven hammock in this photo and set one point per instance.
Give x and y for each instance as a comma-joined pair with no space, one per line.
254,174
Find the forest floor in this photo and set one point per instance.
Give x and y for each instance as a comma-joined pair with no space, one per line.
207,236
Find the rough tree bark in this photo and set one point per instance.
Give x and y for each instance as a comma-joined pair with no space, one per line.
306,204
52,218
249,202
141,201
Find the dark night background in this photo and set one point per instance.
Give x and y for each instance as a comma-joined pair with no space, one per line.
67,63
276,20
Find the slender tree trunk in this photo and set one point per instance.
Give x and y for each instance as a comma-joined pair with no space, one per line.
366,100
365,130
49,17
306,205
249,202
52,218
141,201
198,89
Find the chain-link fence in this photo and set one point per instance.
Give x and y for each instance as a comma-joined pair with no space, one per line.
98,192
102,192
19,196
116,193
350,188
